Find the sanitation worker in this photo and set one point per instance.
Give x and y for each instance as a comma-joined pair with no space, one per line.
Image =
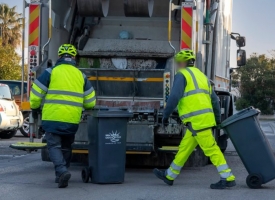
66,91
198,108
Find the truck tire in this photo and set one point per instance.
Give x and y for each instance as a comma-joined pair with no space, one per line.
8,134
25,128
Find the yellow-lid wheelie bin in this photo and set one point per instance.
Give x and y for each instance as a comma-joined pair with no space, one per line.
252,146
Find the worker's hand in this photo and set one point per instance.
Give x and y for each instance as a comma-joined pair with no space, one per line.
165,122
35,113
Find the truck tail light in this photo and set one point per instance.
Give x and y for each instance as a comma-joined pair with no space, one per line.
166,87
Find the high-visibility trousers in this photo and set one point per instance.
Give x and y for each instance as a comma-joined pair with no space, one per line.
207,142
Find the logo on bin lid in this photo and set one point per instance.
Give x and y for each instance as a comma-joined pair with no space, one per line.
114,137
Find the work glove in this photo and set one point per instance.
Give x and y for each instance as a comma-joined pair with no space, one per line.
35,113
218,126
165,122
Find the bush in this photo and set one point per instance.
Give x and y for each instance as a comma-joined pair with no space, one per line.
257,81
242,103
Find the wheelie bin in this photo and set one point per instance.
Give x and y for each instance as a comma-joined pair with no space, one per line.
252,146
107,130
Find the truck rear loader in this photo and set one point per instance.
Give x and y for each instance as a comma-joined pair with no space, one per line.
126,49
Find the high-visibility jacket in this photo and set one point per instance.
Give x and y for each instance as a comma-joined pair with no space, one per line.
66,91
195,106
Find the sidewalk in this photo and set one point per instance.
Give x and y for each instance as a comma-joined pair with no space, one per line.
267,117
261,117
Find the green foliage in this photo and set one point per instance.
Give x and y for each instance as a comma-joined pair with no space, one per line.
10,25
257,83
9,63
242,103
83,63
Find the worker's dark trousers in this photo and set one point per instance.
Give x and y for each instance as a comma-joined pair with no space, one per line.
60,151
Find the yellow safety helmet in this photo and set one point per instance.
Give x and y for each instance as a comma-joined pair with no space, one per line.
185,55
67,49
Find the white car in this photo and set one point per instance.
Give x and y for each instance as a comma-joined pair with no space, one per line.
11,118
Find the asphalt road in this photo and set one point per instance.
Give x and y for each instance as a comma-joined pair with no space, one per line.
24,176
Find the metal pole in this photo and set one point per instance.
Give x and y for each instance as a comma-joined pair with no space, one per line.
50,30
170,26
23,51
169,37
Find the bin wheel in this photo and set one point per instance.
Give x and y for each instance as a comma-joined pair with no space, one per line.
254,181
85,174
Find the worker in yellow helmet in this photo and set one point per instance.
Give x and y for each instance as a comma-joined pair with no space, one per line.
66,91
199,109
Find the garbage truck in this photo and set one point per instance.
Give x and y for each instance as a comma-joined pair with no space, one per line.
126,49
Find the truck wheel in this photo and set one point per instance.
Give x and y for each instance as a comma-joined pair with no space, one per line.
85,174
26,127
254,181
8,134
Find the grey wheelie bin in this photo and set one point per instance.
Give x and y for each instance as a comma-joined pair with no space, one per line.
252,146
107,130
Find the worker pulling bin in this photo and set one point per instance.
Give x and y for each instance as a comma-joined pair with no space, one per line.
107,130
252,146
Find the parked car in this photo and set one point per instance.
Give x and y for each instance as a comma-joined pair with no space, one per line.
11,118
15,87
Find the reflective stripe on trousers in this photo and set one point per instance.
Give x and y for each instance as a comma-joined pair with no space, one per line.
210,148
173,171
225,172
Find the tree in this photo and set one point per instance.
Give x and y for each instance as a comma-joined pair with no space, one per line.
10,25
257,81
9,63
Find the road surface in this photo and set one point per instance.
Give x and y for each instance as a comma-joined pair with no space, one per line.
24,176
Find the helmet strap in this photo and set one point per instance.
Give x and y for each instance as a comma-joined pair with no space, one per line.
66,56
191,63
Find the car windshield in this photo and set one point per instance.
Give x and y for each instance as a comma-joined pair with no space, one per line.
5,92
15,87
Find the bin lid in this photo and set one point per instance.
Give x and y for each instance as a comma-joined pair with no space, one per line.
112,112
245,113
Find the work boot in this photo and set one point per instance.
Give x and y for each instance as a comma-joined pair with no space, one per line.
63,180
223,184
56,179
161,175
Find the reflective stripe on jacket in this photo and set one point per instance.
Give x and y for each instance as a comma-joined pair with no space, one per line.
66,91
195,106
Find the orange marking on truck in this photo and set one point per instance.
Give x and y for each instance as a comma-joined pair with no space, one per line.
126,79
186,28
34,25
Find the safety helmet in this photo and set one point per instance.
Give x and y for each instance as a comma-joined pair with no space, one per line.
185,55
68,49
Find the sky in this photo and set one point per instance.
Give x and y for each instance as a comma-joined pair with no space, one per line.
251,18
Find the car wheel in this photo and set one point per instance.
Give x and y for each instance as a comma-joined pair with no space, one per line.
26,125
7,134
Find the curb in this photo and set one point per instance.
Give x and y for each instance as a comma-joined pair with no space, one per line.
267,117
